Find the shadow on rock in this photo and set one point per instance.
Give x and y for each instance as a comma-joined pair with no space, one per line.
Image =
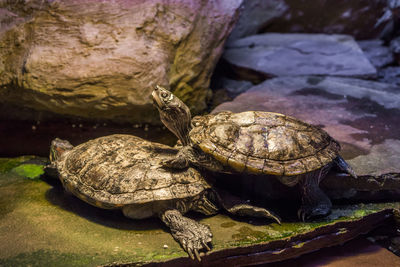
110,218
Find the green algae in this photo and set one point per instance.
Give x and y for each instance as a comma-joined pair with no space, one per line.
31,171
49,258
7,164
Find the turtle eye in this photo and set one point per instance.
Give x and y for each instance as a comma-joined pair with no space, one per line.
164,95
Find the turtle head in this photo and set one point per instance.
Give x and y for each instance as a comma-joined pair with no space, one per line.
58,147
174,114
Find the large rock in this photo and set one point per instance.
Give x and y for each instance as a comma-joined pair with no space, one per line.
255,15
364,116
274,54
355,18
322,16
101,59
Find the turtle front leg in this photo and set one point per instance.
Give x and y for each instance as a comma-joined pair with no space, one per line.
181,159
192,236
315,203
188,155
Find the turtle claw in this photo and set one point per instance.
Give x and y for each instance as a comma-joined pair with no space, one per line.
301,214
253,211
189,251
205,245
192,236
197,255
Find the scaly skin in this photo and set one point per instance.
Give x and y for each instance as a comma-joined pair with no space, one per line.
192,236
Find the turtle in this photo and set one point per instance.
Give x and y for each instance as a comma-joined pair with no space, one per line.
125,172
254,142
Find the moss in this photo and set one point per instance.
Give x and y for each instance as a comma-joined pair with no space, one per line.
248,234
31,171
7,164
49,258
228,224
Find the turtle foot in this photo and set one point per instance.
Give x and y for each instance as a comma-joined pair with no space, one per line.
192,235
253,211
305,213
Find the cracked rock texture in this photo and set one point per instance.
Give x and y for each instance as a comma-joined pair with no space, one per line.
101,59
274,54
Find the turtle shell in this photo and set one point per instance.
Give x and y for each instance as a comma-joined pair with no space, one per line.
117,170
263,142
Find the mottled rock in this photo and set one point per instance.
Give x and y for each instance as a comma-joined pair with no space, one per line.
364,116
378,54
255,15
100,59
275,54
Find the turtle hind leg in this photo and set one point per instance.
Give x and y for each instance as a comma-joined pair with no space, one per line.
239,207
344,166
315,203
192,236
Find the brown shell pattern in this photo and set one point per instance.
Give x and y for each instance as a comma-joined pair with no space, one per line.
264,142
116,170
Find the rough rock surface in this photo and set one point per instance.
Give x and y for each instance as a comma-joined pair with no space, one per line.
274,54
100,59
364,116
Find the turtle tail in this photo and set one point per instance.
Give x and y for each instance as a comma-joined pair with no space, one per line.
344,166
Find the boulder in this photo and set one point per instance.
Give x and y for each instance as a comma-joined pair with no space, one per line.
101,59
274,54
255,15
